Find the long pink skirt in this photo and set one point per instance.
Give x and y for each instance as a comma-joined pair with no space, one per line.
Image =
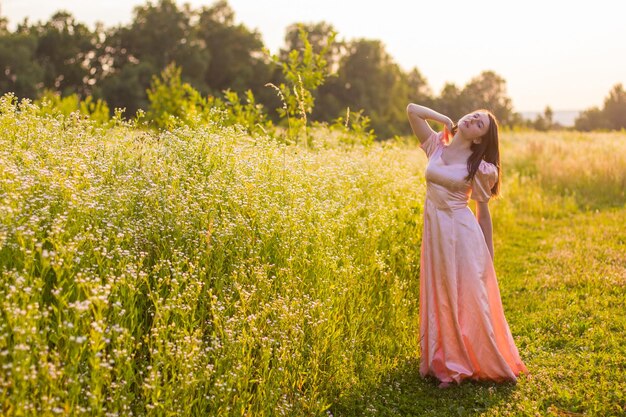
463,331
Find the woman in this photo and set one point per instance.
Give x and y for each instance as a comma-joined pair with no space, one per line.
463,331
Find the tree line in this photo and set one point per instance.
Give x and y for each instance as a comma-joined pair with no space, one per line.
117,65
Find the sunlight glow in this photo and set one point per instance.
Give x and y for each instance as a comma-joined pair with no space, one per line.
563,54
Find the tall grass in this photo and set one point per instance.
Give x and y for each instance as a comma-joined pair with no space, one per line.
200,271
205,272
588,168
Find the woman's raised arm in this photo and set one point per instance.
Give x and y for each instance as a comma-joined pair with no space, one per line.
417,118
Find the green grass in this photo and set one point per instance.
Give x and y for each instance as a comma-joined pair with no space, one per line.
205,272
563,289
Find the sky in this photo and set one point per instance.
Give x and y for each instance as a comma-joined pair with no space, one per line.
563,54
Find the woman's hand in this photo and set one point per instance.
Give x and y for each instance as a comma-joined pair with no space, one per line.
448,129
449,124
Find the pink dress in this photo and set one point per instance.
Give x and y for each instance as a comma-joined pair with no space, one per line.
463,331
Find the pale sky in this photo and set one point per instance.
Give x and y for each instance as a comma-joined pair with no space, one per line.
557,53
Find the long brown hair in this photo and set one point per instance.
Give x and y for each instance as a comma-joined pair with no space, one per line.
488,149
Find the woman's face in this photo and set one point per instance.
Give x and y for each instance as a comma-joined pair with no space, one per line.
474,125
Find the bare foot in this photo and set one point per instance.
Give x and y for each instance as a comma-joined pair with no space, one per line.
444,385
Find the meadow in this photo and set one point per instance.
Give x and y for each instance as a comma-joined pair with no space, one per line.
204,271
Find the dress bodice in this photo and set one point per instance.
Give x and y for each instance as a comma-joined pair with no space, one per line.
446,184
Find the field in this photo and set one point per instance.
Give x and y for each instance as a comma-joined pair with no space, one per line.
206,272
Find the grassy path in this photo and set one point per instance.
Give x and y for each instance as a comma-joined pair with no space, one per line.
563,284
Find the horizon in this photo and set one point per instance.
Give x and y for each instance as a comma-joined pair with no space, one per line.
565,118
540,66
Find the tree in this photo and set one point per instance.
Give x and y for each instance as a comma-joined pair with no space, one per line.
21,73
237,61
321,36
419,91
64,51
450,102
544,122
369,79
168,96
591,119
304,71
611,116
160,34
615,108
488,91
126,87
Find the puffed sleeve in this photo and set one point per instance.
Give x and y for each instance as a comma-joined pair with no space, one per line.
434,141
485,178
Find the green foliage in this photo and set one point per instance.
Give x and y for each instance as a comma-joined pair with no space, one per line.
591,119
615,108
235,54
162,33
354,128
368,78
487,90
450,102
51,103
172,101
544,122
65,51
611,117
22,73
175,103
96,110
322,37
249,114
215,54
127,87
304,71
